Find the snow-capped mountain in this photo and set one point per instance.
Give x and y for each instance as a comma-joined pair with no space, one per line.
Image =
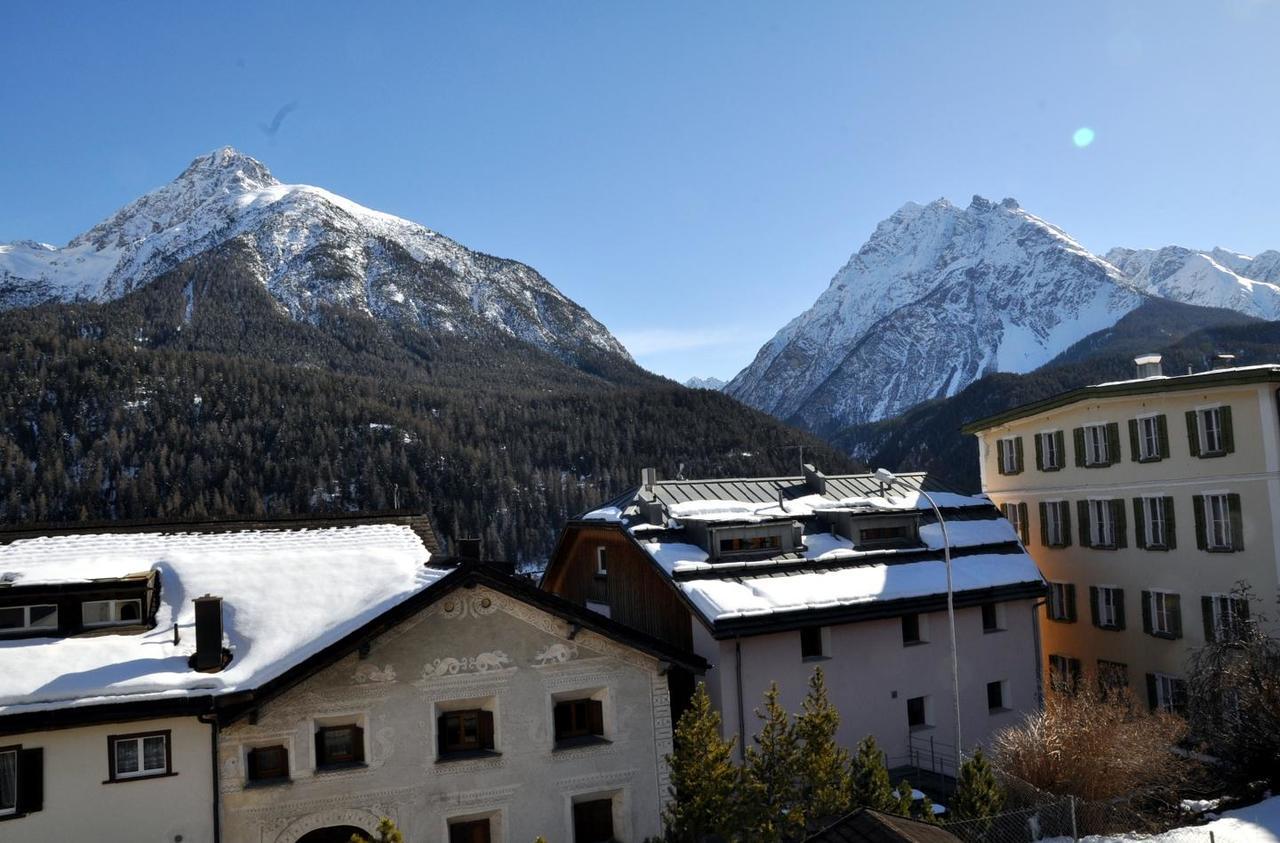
1213,278
937,297
315,250
705,383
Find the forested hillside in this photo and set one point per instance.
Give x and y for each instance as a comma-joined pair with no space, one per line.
195,396
928,437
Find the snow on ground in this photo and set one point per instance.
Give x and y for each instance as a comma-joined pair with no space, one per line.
286,595
1258,823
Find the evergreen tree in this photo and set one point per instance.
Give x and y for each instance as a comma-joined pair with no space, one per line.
903,796
978,794
869,787
771,777
704,779
926,811
823,764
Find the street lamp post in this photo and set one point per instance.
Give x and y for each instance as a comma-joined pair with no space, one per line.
889,479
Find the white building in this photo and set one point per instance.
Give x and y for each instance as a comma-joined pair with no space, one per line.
338,671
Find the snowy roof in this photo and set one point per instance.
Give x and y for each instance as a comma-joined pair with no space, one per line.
827,572
287,595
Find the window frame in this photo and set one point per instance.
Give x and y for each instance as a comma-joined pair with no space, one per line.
1161,617
323,761
1149,438
997,618
250,767
1097,448
468,823
1166,685
1108,616
1015,513
596,800
1008,457
115,603
824,643
1002,688
1101,521
1226,616
1050,456
578,735
1056,531
16,752
1058,607
113,773
921,627
1203,414
1212,523
602,561
1150,519
27,626
924,723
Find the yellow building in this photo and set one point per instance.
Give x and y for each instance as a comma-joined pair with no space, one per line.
1145,503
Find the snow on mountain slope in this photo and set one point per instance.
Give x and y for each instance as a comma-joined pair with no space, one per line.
315,249
1217,278
937,297
711,383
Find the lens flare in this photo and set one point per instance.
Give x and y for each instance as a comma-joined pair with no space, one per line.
1082,137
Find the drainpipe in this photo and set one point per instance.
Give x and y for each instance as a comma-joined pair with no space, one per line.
212,720
742,723
1035,633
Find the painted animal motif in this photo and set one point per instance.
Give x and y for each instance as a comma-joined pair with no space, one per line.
442,667
372,673
556,653
490,661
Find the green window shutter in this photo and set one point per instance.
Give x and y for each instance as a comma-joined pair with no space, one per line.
30,780
1193,433
1039,453
1152,700
486,729
1118,594
1093,605
1060,439
1197,507
1082,509
1078,436
1071,602
1064,509
1237,522
1228,434
1206,613
1000,467
1241,607
1174,602
1139,524
1162,435
1017,456
1146,612
1170,528
1119,523
1133,440
1044,524
1113,443
1024,525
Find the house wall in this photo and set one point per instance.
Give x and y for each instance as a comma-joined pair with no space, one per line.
472,644
80,803
1252,471
870,675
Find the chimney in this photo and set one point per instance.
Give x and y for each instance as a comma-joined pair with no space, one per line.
1149,365
1224,361
648,478
208,656
816,480
468,548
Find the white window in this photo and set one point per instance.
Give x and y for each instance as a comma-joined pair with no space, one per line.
1149,438
135,756
1217,521
1211,441
1109,599
1009,455
26,618
1095,444
1102,527
1163,609
1169,692
110,612
602,561
1061,596
1226,616
1050,456
1157,523
9,782
1054,525
1014,512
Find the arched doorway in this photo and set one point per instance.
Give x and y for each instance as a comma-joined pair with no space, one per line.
333,834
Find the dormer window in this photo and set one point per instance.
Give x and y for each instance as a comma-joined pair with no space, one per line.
110,612
750,544
881,535
14,619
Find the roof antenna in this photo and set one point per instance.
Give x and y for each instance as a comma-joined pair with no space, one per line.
680,472
782,504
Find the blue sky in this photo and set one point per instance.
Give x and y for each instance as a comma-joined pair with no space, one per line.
692,173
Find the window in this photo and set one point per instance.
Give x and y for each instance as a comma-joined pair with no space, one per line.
1095,445
992,617
1148,437
1108,606
1055,524
1062,602
1217,519
1155,522
1211,431
111,612
1049,451
465,732
138,756
1223,616
8,781
21,781
750,544
1112,676
602,562
469,831
593,821
1162,614
1166,693
339,746
911,633
918,712
1102,528
579,721
996,693
28,618
813,642
873,535
268,763
1064,673
1009,456
1016,513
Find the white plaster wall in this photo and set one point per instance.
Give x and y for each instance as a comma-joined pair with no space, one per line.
870,676
525,658
79,806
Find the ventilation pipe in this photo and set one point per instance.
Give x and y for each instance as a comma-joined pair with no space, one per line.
815,480
648,478
208,656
